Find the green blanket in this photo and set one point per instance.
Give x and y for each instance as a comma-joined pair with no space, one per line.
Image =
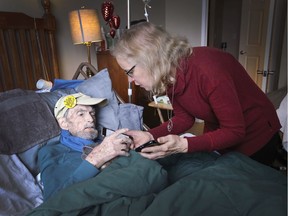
185,184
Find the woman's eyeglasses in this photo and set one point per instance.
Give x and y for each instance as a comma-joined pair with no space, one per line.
130,72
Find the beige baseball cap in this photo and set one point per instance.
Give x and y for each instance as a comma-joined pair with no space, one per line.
70,101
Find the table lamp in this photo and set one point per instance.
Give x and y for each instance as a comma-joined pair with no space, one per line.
85,29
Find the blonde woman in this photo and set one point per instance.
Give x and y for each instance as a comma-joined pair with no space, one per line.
201,82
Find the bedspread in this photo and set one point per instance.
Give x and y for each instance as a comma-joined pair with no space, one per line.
19,192
190,184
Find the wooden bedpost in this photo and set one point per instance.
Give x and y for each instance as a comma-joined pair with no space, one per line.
28,49
50,24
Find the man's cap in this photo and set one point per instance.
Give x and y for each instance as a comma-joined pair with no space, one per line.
70,101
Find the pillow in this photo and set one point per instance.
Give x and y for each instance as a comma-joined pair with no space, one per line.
100,86
65,84
131,116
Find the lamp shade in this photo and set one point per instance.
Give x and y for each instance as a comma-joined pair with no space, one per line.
85,26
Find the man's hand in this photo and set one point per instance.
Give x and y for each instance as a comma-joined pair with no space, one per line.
139,137
112,146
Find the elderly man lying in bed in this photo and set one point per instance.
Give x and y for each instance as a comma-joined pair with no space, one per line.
65,161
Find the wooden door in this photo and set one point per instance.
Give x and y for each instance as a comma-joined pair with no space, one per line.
253,36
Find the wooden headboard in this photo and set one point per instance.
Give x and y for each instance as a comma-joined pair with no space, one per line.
27,49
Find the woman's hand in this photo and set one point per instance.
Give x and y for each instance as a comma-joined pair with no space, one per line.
112,146
139,137
168,145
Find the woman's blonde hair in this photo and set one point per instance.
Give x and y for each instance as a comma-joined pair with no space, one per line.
155,50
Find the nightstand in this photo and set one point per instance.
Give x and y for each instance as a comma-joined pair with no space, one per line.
160,106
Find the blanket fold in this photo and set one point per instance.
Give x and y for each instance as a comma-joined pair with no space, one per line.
25,121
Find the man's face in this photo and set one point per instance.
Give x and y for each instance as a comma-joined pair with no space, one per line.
81,122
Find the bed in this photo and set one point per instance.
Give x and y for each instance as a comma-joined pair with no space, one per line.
194,184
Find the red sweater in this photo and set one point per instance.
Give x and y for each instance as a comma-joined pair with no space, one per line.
213,86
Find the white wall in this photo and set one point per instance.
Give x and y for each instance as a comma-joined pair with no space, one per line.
183,17
179,17
29,7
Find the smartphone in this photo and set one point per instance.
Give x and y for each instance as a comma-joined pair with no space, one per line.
107,132
147,144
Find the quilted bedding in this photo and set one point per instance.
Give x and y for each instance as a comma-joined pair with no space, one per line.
191,184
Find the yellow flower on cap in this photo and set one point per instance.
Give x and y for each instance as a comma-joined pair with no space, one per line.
70,101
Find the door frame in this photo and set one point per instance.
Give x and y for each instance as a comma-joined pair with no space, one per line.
272,82
268,45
